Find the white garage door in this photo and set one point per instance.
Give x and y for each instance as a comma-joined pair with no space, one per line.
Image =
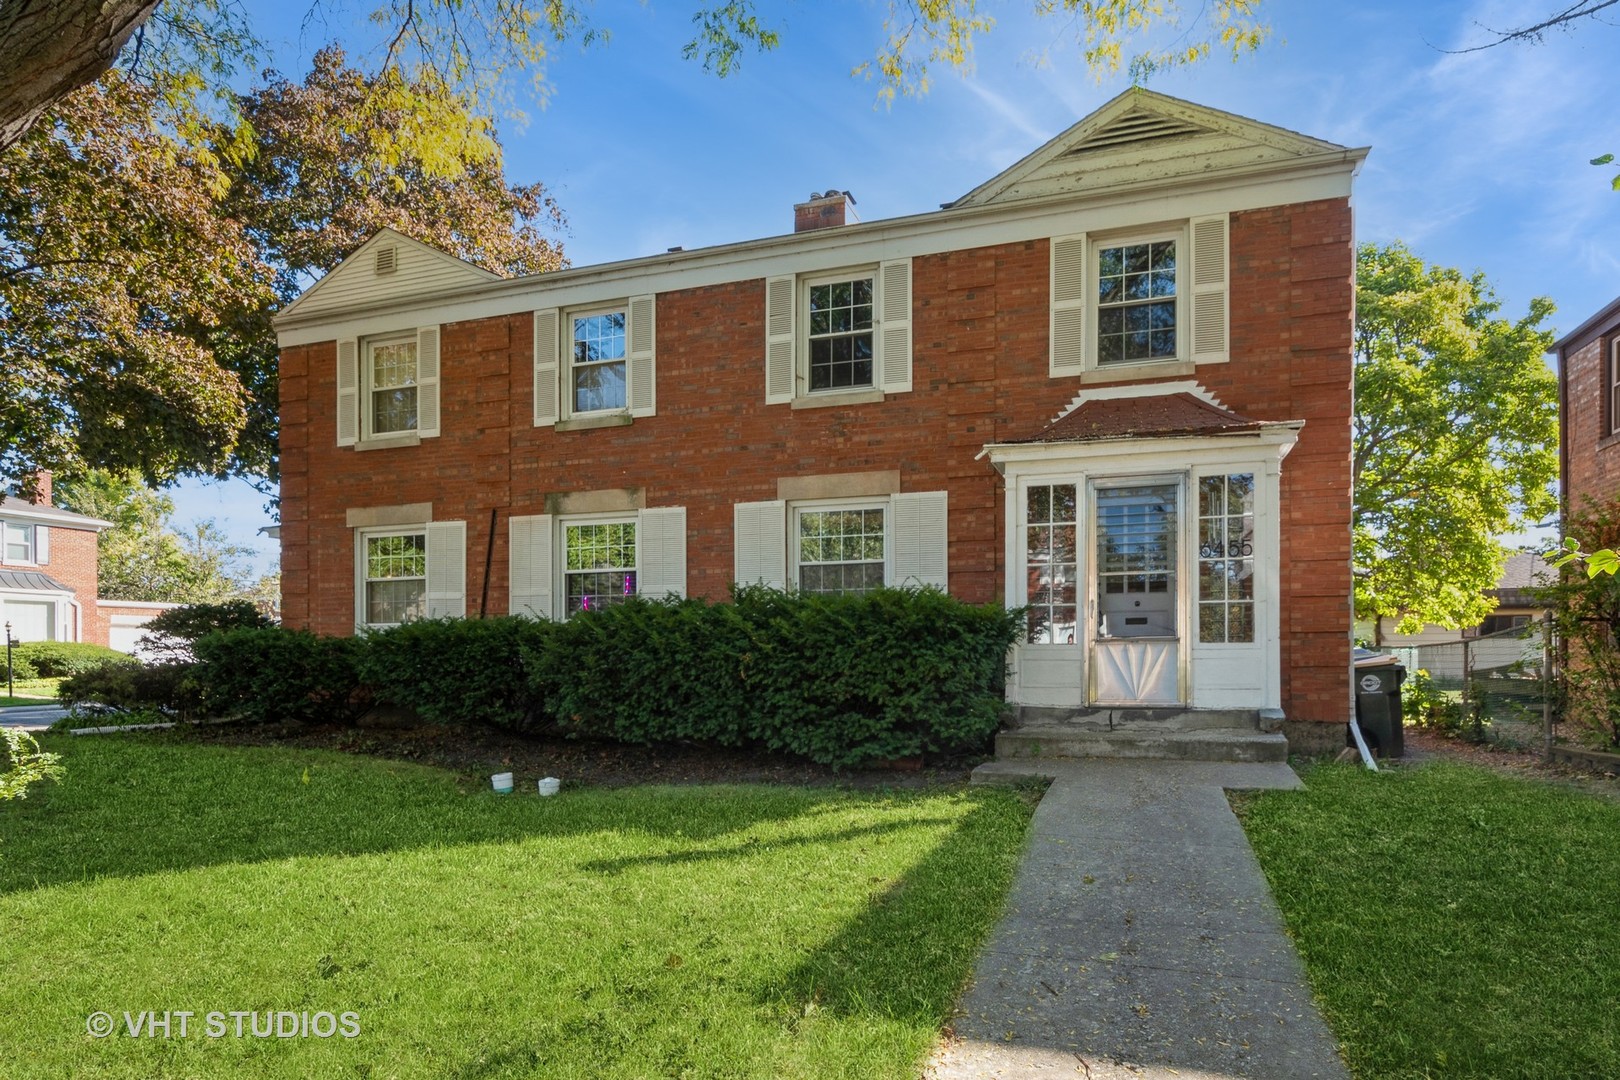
31,620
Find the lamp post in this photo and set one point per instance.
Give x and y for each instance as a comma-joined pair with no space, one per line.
9,644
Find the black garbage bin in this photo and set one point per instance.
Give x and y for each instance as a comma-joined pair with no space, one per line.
1378,678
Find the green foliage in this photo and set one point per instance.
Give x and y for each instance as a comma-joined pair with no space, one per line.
175,632
1423,705
23,763
166,691
1455,437
276,675
457,671
142,557
843,681
53,659
1586,613
21,667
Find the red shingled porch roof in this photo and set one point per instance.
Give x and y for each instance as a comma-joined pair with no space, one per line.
1158,415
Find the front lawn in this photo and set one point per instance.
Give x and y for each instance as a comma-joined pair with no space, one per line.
1454,921
29,692
656,931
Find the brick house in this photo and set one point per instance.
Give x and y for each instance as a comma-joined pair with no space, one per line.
48,570
1589,409
1112,383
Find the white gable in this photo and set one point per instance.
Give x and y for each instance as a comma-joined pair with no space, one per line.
389,266
1142,136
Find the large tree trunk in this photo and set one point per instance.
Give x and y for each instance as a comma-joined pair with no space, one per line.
50,47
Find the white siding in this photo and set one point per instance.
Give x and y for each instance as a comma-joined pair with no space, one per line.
419,272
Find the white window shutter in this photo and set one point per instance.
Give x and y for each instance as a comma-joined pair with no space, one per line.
42,544
642,366
661,552
427,381
1069,256
921,554
348,392
546,329
446,569
530,554
760,543
780,295
1209,274
894,350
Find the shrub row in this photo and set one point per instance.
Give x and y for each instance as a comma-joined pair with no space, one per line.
843,680
54,659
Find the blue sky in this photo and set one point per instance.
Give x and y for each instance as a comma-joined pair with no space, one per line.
1478,160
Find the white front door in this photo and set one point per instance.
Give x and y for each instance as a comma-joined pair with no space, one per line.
1134,610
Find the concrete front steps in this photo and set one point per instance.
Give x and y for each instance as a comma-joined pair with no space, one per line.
1174,734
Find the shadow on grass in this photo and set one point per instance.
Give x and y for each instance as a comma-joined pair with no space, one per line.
131,805
908,953
751,846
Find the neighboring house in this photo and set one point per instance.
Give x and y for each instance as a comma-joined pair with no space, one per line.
1112,383
1589,410
48,570
1516,606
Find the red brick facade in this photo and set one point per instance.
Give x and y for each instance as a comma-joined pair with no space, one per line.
979,374
1590,448
70,559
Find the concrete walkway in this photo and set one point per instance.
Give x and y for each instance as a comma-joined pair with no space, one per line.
1140,939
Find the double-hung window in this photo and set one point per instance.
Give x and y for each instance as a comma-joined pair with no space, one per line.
838,315
19,542
395,577
1155,295
596,361
1136,301
1614,386
599,564
391,386
840,549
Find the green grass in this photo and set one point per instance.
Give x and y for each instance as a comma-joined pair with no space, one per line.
29,692
1455,922
700,931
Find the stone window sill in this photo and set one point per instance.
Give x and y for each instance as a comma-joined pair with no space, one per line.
390,443
828,401
592,423
1129,372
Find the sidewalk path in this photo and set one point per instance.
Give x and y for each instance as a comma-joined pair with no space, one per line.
1140,939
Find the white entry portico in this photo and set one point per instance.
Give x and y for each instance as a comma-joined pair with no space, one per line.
1143,537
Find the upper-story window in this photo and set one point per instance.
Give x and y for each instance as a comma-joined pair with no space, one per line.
1153,296
391,385
19,542
1614,387
1136,302
839,320
596,361
838,337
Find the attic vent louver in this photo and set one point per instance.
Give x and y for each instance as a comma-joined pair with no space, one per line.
387,260
1137,127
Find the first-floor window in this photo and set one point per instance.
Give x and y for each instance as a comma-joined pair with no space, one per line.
841,550
396,577
1226,558
600,564
19,542
1052,562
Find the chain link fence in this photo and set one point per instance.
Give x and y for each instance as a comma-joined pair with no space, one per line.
1502,683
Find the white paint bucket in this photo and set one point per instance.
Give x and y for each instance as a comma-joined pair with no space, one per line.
502,782
549,785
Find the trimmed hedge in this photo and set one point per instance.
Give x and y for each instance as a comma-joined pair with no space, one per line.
457,671
845,680
176,631
54,659
132,686
276,675
21,667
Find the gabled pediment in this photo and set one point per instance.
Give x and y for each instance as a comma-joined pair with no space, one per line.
1142,136
388,267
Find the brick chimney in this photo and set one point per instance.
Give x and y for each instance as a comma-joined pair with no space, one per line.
42,487
827,210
